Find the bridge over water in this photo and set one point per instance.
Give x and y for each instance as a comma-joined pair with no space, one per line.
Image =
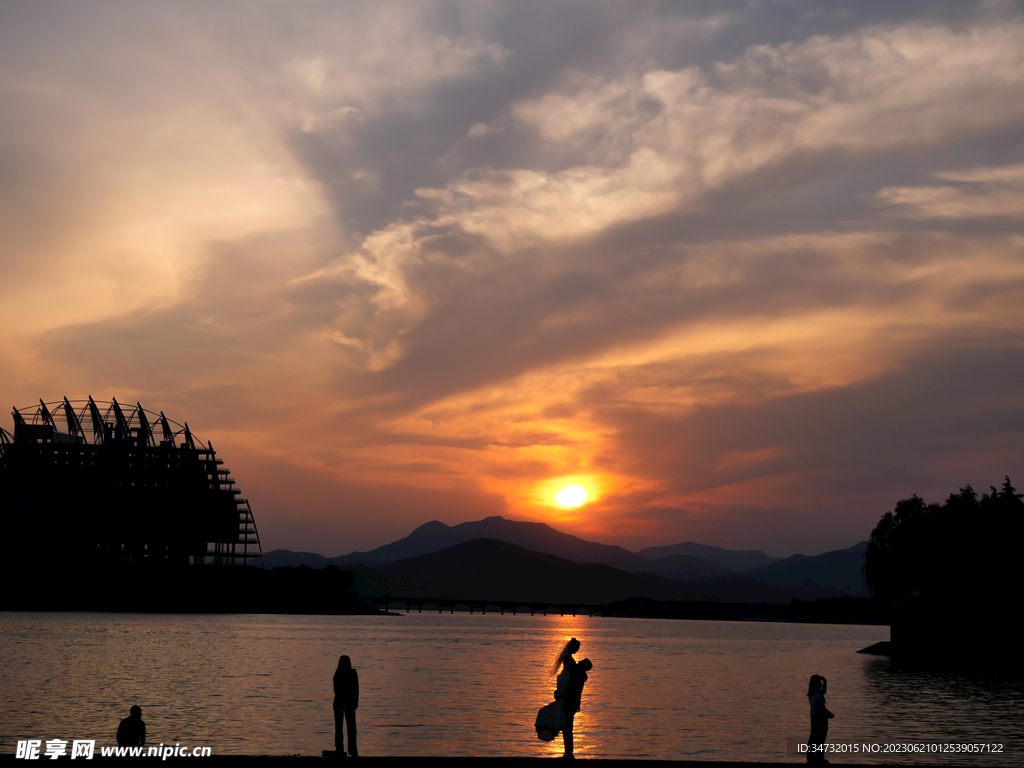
496,606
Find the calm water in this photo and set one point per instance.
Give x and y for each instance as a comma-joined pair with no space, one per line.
471,685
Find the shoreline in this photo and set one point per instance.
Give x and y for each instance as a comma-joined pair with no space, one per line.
731,612
502,761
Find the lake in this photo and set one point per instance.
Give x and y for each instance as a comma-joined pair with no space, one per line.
441,684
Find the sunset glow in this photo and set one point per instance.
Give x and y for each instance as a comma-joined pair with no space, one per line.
741,277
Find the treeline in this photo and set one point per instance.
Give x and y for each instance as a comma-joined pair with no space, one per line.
949,576
963,549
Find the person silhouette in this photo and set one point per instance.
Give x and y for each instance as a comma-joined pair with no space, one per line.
572,700
819,719
346,702
131,731
569,689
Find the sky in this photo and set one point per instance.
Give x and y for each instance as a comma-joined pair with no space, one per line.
751,272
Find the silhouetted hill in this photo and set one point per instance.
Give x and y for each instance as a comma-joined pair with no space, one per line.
486,569
685,567
839,570
536,537
684,574
734,560
280,558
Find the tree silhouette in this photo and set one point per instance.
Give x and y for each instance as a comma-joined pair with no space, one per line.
962,549
948,577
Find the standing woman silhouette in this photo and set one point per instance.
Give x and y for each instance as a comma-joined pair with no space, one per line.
346,701
820,716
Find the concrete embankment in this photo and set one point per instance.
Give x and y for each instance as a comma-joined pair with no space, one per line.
461,762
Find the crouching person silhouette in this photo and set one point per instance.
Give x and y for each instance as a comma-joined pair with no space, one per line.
131,731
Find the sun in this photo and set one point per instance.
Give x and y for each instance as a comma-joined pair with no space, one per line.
569,495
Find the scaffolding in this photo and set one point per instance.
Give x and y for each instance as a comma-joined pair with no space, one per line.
94,482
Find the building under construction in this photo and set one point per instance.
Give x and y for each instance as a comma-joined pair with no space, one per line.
86,483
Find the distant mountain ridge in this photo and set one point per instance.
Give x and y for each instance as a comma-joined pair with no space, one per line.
734,560
485,569
536,537
684,571
282,558
685,567
841,569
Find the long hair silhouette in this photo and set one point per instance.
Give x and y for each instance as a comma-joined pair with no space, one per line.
570,648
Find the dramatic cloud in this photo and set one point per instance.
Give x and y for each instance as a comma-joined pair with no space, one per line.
752,272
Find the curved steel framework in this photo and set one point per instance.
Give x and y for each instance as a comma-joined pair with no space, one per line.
96,480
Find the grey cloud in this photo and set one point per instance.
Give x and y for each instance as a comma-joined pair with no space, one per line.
546,43
493,327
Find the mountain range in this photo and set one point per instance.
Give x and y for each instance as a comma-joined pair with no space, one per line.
499,559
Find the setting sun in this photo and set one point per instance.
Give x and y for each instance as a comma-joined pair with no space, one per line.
571,495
